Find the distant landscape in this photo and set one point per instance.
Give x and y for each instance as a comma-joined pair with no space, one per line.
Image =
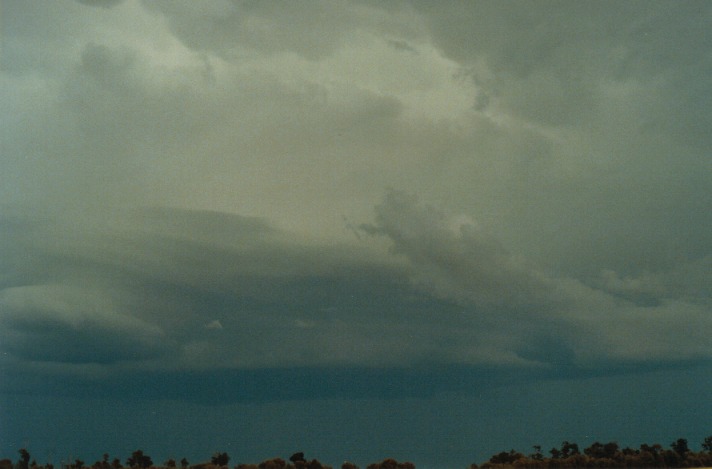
569,454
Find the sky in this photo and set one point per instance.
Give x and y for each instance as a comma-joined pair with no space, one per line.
424,230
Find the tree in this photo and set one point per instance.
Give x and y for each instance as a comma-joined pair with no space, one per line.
569,449
707,444
680,447
274,463
104,463
506,457
390,463
184,463
595,451
24,462
220,459
140,460
671,457
537,456
655,450
314,464
610,450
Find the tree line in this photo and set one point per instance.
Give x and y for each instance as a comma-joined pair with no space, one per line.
611,454
140,460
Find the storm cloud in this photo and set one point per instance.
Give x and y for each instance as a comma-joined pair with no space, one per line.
334,204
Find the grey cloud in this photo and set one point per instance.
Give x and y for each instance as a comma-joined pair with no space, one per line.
402,46
453,259
685,280
214,325
133,284
531,50
37,39
108,67
584,166
549,349
168,291
70,324
549,251
125,130
101,3
159,279
311,29
122,108
553,63
225,27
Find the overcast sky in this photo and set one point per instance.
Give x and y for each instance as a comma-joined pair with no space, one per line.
426,230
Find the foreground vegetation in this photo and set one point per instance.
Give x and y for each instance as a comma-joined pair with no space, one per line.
139,460
606,455
598,454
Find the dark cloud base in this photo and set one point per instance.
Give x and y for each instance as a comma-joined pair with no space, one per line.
229,386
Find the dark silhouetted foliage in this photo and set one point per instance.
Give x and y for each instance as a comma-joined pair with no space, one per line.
536,455
506,457
220,459
139,460
707,444
274,463
103,464
680,446
391,463
606,455
568,455
24,462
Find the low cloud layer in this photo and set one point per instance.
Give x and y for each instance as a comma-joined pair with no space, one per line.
205,186
176,291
